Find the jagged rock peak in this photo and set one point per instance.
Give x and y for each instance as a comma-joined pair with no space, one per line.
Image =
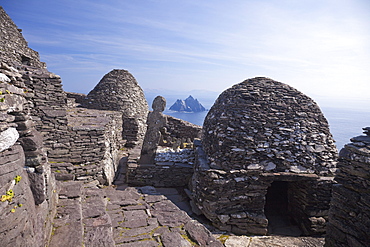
188,105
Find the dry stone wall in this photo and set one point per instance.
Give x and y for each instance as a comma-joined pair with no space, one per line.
34,129
261,124
27,188
258,132
95,141
48,110
179,132
349,218
14,48
119,91
24,171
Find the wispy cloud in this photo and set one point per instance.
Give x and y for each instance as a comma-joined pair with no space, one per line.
316,46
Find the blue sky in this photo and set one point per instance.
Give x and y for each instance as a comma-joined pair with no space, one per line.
320,47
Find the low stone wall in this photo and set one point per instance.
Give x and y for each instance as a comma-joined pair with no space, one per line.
171,169
349,217
95,141
166,174
180,131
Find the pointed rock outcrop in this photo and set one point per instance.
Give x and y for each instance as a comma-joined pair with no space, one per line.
188,105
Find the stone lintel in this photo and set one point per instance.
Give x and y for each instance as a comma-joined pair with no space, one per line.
286,176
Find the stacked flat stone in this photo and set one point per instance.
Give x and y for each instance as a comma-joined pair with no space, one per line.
48,109
95,141
14,48
349,218
25,218
261,124
257,132
22,155
119,91
180,132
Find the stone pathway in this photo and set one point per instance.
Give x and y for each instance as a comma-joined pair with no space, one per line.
123,216
142,217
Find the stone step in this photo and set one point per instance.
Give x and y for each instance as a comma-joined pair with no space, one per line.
97,223
67,224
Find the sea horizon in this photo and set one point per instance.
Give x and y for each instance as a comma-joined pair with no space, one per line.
344,122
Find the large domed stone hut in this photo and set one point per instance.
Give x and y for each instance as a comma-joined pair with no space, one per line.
266,150
119,91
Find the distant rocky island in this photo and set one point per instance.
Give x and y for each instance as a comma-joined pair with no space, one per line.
188,105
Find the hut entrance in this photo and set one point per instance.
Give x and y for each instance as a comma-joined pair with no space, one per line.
280,219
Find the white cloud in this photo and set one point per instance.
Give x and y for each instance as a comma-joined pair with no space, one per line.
319,47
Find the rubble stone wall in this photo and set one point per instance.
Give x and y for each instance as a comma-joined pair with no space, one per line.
349,217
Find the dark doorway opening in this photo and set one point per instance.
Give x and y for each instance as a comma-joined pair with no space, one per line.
280,220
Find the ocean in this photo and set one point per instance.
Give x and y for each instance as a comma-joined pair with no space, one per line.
344,123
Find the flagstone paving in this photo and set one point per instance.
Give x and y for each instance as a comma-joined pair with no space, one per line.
141,217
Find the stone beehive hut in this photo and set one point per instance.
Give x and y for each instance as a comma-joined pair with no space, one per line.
119,91
263,138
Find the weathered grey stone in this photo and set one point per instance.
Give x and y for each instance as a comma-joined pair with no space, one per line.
280,241
237,241
4,78
170,239
98,236
38,187
119,91
144,243
8,138
258,133
68,235
156,121
349,213
200,234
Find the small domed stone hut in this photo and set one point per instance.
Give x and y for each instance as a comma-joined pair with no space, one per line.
267,151
119,91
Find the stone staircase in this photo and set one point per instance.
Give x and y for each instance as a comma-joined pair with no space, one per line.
123,216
